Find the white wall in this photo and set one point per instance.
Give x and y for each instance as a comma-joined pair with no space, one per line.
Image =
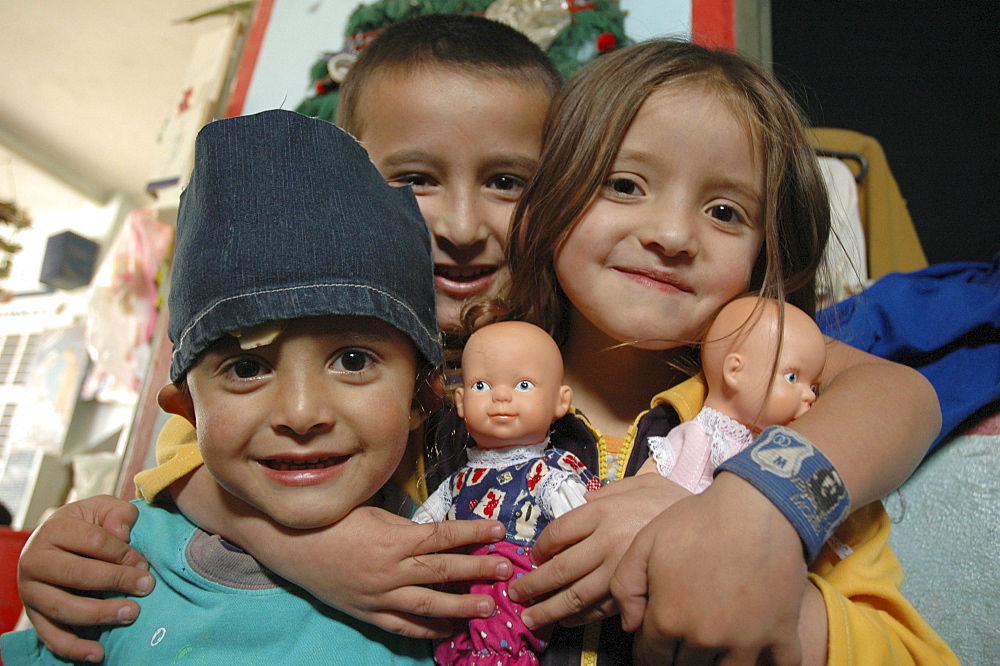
657,18
299,31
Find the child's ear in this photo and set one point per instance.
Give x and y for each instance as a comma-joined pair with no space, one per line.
457,397
176,399
565,400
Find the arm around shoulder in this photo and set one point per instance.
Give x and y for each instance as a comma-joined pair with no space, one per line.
874,419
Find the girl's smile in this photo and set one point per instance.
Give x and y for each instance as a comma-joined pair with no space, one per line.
657,279
674,232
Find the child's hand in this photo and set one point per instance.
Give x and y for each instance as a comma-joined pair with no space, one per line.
578,552
374,566
83,545
371,565
723,571
386,562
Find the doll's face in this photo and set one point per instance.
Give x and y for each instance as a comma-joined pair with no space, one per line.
512,385
796,378
738,360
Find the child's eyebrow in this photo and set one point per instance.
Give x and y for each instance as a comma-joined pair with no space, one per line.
354,336
511,161
639,156
403,157
751,191
495,162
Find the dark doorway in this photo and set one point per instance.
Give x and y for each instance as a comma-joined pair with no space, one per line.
922,78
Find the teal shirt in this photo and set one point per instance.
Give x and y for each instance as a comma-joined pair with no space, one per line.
213,603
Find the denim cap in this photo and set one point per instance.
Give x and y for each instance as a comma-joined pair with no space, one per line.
285,216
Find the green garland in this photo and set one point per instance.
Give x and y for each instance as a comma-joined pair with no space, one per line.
596,26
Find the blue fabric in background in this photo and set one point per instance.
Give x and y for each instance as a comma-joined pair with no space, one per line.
943,321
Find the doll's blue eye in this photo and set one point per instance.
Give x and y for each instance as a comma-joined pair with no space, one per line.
791,377
480,386
524,385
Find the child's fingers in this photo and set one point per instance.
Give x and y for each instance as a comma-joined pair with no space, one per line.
72,533
450,567
454,533
562,571
411,626
425,613
583,596
564,532
56,567
69,610
429,603
602,609
63,642
629,584
578,604
113,514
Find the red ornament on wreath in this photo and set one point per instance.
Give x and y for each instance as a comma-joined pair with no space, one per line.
606,42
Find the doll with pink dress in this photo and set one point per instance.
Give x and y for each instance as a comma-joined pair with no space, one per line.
762,361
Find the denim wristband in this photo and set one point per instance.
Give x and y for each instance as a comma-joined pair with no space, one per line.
798,479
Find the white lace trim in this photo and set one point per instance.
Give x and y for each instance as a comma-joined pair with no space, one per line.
500,458
436,507
729,437
556,493
663,454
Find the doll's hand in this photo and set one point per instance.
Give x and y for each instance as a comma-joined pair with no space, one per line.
578,553
719,574
82,546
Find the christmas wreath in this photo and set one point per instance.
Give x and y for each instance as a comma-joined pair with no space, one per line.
572,33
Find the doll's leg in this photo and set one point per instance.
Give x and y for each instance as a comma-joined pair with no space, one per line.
502,637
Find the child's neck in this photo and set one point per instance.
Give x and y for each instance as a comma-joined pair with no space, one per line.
613,384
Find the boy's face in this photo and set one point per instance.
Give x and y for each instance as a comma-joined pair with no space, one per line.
308,427
467,144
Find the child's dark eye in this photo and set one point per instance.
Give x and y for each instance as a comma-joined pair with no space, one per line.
414,179
624,186
791,377
725,214
506,183
353,360
524,385
480,386
245,368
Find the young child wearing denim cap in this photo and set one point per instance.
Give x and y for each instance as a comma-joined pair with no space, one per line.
305,345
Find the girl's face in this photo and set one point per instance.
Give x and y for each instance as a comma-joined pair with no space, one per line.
673,233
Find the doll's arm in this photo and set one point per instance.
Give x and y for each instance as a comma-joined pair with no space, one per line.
372,564
565,494
81,546
435,509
